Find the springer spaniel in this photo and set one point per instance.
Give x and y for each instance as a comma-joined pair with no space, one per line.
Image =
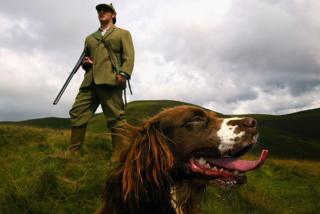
173,156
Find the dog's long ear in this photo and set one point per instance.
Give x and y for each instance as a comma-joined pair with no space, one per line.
147,164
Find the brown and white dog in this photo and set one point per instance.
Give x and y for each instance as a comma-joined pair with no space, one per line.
171,158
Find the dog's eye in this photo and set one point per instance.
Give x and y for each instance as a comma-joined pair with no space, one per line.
195,120
198,119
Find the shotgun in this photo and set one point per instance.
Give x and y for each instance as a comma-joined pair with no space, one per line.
74,70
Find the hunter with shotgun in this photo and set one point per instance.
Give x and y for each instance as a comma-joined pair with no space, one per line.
108,60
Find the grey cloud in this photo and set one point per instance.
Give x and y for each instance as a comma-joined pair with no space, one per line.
271,41
59,26
301,87
257,49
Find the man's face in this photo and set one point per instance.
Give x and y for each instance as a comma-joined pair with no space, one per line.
105,15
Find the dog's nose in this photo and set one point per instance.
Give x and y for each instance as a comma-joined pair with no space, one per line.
249,122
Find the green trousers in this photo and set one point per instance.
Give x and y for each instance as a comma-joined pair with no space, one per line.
89,98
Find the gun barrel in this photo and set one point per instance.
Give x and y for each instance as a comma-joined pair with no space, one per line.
74,70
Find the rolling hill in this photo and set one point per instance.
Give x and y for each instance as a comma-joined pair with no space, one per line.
295,135
36,177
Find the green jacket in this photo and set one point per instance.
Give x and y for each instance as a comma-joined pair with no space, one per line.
102,71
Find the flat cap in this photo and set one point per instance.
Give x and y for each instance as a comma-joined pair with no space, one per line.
100,7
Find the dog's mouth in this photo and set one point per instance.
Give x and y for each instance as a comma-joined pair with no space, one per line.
224,171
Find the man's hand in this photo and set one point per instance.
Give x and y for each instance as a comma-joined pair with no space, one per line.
121,81
87,60
87,63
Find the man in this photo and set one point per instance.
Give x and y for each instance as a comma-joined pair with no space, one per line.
108,64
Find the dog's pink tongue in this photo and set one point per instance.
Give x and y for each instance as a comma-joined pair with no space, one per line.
240,165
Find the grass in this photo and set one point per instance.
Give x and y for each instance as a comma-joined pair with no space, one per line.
280,186
287,136
36,178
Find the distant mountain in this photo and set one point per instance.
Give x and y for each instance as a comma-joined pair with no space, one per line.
137,112
47,122
295,135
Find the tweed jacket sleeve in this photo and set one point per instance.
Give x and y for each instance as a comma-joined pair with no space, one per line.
127,54
86,67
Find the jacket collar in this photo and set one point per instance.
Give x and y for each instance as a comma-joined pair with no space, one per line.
99,36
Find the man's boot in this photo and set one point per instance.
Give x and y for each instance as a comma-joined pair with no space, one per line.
77,139
118,145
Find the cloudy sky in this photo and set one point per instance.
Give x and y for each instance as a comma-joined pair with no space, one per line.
233,56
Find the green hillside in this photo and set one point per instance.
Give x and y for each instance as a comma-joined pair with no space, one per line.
294,135
304,124
47,122
137,111
37,178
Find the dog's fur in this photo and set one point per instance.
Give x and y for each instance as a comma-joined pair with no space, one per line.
152,176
